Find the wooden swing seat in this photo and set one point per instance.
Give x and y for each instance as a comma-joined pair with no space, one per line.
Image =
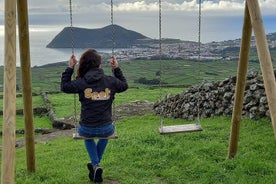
76,136
180,128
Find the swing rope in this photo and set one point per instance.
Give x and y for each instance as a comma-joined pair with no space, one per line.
112,53
188,127
199,59
71,26
160,58
112,25
73,52
76,134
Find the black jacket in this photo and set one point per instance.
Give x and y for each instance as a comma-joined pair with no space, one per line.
96,94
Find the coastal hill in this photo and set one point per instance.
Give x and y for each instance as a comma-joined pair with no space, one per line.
96,38
102,38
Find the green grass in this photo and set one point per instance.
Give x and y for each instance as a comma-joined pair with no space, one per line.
141,155
37,102
181,72
39,122
173,72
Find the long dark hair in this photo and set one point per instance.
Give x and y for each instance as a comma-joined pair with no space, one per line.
89,59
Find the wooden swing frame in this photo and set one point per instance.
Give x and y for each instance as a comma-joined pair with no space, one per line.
252,21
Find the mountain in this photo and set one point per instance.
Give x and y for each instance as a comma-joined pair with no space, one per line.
96,38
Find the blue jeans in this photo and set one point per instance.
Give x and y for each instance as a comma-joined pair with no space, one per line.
96,149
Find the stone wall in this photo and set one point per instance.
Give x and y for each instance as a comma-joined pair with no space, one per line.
215,99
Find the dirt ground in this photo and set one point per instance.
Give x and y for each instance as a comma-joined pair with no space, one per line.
126,110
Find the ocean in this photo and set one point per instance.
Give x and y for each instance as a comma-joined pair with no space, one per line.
41,35
40,55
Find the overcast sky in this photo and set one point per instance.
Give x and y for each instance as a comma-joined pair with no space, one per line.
179,17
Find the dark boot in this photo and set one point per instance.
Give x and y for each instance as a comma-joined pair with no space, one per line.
91,171
98,171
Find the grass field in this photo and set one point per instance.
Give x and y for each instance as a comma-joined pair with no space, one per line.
173,72
141,155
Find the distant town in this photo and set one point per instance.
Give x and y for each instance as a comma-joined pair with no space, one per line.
225,50
131,45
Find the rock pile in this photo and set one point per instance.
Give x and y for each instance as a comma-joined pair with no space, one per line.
215,99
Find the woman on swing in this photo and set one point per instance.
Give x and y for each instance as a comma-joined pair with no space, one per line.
96,94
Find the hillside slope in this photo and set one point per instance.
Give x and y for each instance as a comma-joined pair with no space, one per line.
96,38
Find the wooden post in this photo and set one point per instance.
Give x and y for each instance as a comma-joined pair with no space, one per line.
9,102
24,44
265,58
240,84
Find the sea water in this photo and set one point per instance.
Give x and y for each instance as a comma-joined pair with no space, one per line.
40,54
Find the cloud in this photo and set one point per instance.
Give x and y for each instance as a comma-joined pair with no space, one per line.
223,5
215,7
268,7
91,10
142,15
209,7
141,6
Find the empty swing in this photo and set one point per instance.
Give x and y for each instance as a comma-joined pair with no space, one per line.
184,128
76,135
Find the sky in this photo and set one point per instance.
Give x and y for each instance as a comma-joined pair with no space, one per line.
221,19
